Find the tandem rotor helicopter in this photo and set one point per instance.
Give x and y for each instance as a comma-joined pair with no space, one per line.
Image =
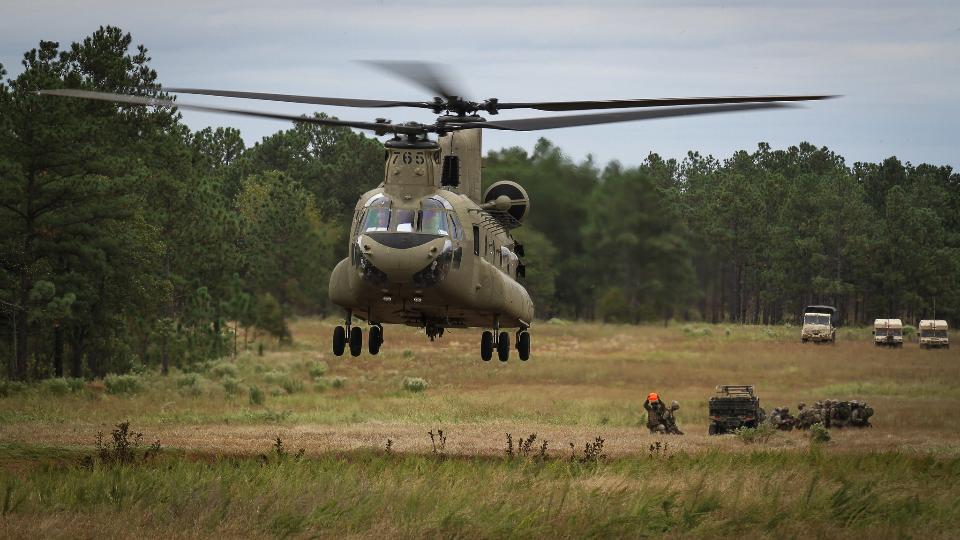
426,248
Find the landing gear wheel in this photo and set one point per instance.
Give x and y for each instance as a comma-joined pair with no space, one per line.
356,341
486,345
503,347
375,339
339,340
523,345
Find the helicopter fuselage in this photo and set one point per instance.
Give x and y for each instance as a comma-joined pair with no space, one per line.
428,255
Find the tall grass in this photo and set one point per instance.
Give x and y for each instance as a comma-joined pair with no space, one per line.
374,493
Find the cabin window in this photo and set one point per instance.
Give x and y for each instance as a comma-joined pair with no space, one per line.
476,240
455,229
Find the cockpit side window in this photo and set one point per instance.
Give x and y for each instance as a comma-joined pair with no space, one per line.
433,217
378,214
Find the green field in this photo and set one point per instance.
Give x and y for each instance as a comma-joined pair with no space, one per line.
218,472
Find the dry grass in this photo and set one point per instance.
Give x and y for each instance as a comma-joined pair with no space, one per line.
583,381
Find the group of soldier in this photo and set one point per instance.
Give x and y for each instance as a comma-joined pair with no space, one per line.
660,418
830,413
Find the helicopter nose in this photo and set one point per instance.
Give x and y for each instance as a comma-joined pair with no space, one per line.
402,255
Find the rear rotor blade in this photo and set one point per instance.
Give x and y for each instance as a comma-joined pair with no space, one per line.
290,98
436,78
655,102
157,102
532,124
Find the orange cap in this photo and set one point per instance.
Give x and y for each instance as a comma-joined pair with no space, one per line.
652,396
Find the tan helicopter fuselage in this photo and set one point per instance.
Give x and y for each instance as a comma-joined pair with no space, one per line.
428,255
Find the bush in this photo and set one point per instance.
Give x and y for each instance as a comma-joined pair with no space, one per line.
9,388
224,369
231,386
414,384
819,434
190,384
256,396
320,384
760,434
338,382
123,384
318,369
695,331
909,330
61,386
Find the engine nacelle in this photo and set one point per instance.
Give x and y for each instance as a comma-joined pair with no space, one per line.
507,198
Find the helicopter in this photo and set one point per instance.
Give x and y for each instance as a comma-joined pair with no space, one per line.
426,248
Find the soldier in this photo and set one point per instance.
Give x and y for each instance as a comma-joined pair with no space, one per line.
840,414
670,419
782,419
807,417
860,414
827,412
656,410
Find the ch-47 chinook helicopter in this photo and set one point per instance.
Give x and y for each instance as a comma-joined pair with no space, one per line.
426,248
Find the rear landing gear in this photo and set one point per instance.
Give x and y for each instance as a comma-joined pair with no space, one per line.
356,341
375,339
339,340
503,347
523,345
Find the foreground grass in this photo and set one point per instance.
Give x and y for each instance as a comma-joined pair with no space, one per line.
373,493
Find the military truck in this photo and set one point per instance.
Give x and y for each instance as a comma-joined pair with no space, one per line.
888,333
819,324
933,334
734,406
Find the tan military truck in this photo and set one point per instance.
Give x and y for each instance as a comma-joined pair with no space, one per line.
933,334
819,324
888,332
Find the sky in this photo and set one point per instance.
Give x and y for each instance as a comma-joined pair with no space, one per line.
895,64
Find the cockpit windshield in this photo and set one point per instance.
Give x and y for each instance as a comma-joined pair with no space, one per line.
816,318
378,214
433,217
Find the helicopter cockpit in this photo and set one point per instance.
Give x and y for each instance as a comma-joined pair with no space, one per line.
434,217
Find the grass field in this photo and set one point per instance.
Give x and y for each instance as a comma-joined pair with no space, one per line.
218,473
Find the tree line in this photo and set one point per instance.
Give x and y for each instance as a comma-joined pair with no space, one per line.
128,240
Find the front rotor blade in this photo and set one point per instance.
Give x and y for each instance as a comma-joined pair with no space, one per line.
436,78
655,102
157,102
531,124
312,100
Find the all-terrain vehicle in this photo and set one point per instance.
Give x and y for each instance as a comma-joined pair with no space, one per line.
733,407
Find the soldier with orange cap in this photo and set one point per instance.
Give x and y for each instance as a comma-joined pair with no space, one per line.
656,412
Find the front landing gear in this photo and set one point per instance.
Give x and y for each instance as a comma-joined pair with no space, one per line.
352,336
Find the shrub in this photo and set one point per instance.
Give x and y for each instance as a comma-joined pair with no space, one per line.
61,386
819,434
909,330
760,434
695,331
190,384
224,369
320,384
123,384
318,369
9,388
414,384
231,386
256,396
338,382
407,353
